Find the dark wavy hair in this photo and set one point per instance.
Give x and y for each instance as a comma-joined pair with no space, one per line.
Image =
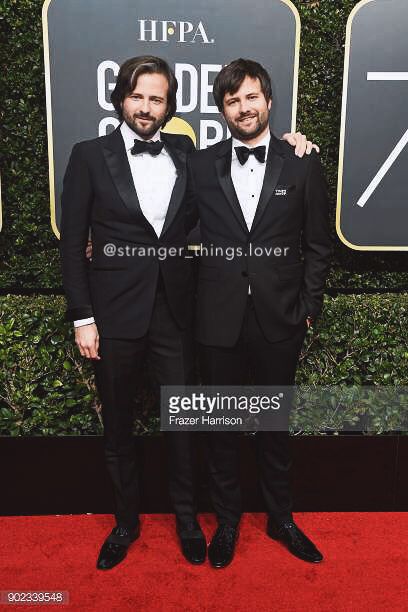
131,70
230,79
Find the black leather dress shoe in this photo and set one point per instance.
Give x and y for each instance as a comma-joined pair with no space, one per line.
115,547
192,541
222,547
295,540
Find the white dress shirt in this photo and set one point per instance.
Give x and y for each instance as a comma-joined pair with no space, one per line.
154,178
248,179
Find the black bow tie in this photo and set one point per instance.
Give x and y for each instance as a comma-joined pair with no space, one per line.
243,153
147,146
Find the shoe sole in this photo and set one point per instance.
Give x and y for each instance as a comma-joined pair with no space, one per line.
194,562
220,566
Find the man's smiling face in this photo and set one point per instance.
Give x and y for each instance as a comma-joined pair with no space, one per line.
247,111
146,107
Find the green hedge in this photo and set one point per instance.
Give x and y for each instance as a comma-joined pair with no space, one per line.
28,248
47,388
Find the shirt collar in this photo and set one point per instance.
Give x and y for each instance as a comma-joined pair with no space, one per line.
129,136
238,143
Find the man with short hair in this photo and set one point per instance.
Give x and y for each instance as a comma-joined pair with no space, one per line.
253,309
128,303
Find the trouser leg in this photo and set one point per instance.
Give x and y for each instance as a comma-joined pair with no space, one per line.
224,366
171,361
274,363
116,375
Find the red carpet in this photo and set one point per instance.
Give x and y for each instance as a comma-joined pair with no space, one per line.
365,566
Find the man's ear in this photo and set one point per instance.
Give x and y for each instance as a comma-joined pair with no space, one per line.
270,104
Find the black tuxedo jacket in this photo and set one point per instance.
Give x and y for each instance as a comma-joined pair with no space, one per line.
119,291
292,213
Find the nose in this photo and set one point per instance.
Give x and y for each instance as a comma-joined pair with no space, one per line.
145,106
244,107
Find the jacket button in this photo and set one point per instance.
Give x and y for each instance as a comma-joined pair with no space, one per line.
244,273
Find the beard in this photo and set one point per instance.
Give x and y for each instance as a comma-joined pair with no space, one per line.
147,129
239,131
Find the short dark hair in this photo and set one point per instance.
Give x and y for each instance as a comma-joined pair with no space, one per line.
131,70
230,79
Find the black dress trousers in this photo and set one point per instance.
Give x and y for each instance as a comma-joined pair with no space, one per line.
168,351
251,360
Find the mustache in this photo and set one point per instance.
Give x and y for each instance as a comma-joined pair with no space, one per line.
144,116
247,116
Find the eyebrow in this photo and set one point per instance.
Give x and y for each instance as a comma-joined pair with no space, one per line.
233,98
136,93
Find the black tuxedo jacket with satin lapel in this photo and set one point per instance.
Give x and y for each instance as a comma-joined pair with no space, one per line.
119,291
292,213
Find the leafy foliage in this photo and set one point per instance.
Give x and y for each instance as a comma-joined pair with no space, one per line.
360,341
47,388
28,248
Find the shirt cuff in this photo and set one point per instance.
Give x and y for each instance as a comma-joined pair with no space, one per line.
81,322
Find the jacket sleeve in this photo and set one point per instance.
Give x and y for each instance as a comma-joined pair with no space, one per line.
316,241
191,201
76,202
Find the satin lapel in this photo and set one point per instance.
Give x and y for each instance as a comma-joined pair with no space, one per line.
274,165
223,170
179,159
116,159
